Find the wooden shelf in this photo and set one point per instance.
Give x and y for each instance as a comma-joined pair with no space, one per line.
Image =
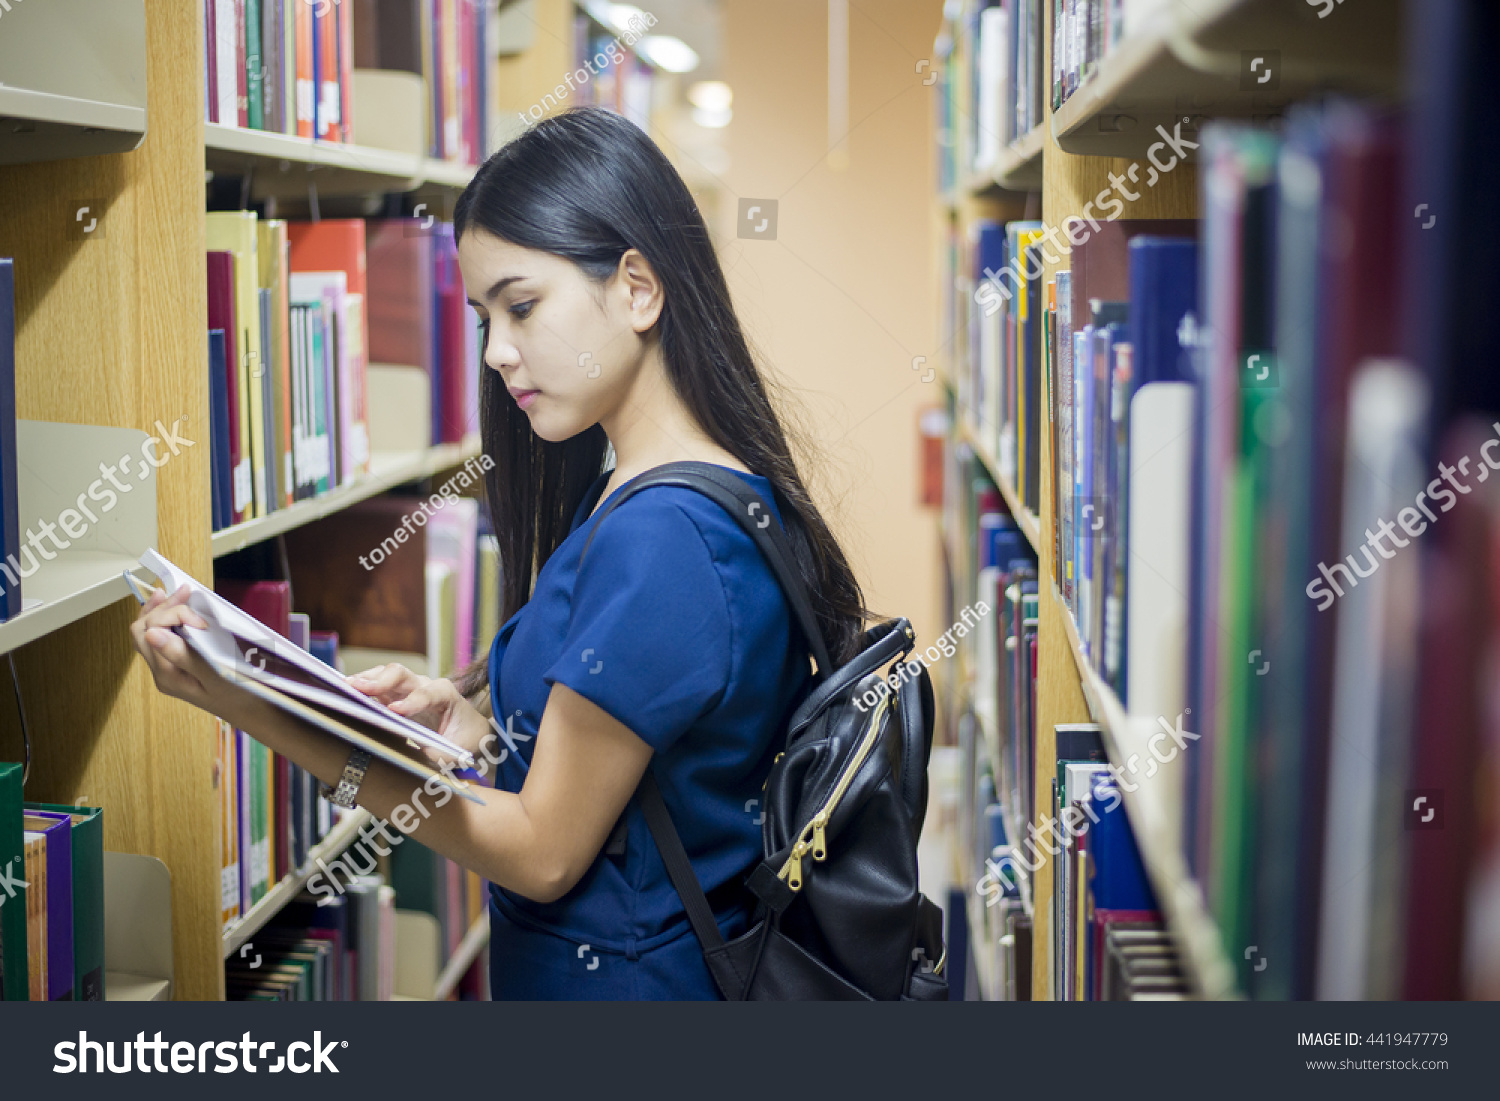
468,951
1025,519
250,923
1187,65
1019,166
387,470
1014,827
1180,896
283,166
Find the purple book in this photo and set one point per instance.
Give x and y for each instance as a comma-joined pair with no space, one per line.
58,829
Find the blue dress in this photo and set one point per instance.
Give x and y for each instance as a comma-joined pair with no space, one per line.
676,627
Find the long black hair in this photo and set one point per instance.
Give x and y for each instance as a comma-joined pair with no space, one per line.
587,185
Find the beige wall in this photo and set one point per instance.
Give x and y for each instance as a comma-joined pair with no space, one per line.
844,298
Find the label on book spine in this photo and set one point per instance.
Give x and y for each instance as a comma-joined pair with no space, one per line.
242,486
229,887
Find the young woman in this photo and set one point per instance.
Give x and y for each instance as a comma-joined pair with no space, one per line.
607,324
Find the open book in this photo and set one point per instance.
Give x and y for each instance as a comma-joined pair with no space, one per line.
249,654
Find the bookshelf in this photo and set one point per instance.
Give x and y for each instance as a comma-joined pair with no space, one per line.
285,166
1181,67
1153,821
1187,64
101,733
468,951
339,838
388,469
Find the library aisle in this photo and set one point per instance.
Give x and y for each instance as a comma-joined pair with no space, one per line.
1134,360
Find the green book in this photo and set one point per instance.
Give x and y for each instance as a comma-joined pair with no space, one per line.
260,839
255,66
88,898
14,982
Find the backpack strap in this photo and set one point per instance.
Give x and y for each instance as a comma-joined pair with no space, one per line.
745,505
679,868
747,508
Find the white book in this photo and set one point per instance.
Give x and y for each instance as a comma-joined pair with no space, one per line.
249,654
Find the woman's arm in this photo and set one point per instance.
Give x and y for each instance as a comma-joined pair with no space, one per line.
537,842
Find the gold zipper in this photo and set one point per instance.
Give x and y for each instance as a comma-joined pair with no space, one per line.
813,838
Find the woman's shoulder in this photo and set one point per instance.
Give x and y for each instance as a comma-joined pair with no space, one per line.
665,513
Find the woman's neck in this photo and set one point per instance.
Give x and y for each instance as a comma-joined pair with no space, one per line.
652,426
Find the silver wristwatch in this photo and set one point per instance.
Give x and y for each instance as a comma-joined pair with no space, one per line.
354,775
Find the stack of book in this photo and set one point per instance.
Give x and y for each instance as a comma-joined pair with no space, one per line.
620,79
1103,907
989,75
52,906
269,806
1085,32
323,948
288,66
298,313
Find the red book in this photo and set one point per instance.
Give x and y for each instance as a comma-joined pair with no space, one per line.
328,71
452,304
210,62
333,244
221,316
306,90
398,305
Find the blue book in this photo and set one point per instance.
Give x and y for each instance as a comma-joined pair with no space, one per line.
218,432
1163,291
1119,880
10,515
1083,483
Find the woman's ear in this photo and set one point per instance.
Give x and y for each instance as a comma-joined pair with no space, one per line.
643,288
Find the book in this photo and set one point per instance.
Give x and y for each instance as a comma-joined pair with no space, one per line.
87,861
10,522
57,830
15,912
235,231
270,667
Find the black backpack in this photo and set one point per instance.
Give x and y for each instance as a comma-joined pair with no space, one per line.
839,915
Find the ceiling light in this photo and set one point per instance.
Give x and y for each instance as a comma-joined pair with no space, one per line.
712,118
669,53
711,95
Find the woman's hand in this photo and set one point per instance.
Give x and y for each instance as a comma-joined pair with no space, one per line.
436,704
177,669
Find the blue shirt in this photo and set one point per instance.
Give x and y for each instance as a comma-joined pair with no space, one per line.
675,626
